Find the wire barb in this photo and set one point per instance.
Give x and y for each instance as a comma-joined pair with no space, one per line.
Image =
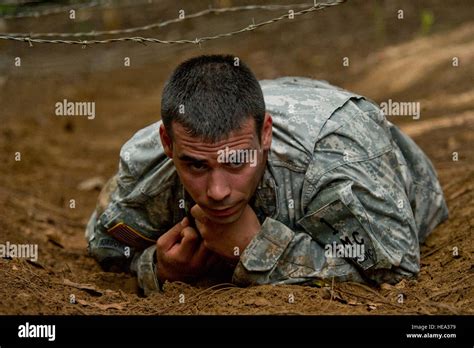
40,37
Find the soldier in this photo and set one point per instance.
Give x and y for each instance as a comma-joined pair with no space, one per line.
261,180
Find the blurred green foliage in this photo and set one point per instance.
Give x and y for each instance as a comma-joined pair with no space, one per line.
427,20
379,22
12,9
8,9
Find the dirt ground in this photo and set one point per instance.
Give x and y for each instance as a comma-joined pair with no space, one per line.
389,58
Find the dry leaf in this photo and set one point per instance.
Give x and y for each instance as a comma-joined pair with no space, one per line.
55,238
326,293
94,183
111,292
386,286
402,284
371,306
87,287
104,307
353,302
336,295
37,264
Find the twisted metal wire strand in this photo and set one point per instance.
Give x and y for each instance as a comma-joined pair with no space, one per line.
30,39
151,26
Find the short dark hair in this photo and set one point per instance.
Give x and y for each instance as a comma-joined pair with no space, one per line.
211,95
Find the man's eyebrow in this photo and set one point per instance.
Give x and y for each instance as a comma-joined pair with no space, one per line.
188,158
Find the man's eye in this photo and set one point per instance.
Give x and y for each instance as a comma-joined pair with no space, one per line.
235,164
197,166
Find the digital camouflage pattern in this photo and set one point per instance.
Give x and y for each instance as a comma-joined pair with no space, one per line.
337,171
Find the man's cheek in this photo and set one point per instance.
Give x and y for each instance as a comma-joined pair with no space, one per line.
201,228
195,186
245,182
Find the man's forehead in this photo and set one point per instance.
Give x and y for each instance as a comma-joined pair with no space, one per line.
244,136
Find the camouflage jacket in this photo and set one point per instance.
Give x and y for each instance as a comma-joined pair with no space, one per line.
338,173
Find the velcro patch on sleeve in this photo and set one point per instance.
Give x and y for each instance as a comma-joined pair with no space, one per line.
341,232
128,236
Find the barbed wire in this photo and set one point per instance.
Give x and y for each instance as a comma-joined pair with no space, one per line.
30,40
151,26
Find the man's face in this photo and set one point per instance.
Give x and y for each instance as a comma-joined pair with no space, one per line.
221,177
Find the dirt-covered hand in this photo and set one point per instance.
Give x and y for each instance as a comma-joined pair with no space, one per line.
227,240
181,254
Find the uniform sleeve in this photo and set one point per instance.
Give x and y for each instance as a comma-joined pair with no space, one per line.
108,252
279,254
114,255
358,223
134,209
383,252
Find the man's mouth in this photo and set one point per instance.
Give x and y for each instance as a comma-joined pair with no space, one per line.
222,212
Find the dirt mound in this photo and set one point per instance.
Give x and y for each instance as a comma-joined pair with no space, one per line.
42,203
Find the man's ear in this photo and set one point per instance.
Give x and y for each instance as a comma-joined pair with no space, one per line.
267,129
166,142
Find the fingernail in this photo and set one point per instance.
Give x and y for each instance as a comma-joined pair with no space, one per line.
184,222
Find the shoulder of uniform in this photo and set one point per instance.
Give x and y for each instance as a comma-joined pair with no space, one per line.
140,155
301,108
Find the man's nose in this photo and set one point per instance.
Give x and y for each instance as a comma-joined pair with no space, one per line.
218,187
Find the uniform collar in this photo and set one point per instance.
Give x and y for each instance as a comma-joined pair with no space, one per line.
264,200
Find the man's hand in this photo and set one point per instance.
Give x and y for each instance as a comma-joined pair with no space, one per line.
181,254
227,240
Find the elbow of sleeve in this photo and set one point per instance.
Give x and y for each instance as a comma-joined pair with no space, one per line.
111,255
109,260
144,266
406,267
261,257
390,276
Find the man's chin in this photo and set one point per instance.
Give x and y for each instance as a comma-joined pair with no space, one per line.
223,220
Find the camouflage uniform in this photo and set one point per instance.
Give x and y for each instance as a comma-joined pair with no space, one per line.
337,171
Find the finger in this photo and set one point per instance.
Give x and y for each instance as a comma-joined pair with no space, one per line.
189,243
201,256
170,238
198,213
201,228
185,222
